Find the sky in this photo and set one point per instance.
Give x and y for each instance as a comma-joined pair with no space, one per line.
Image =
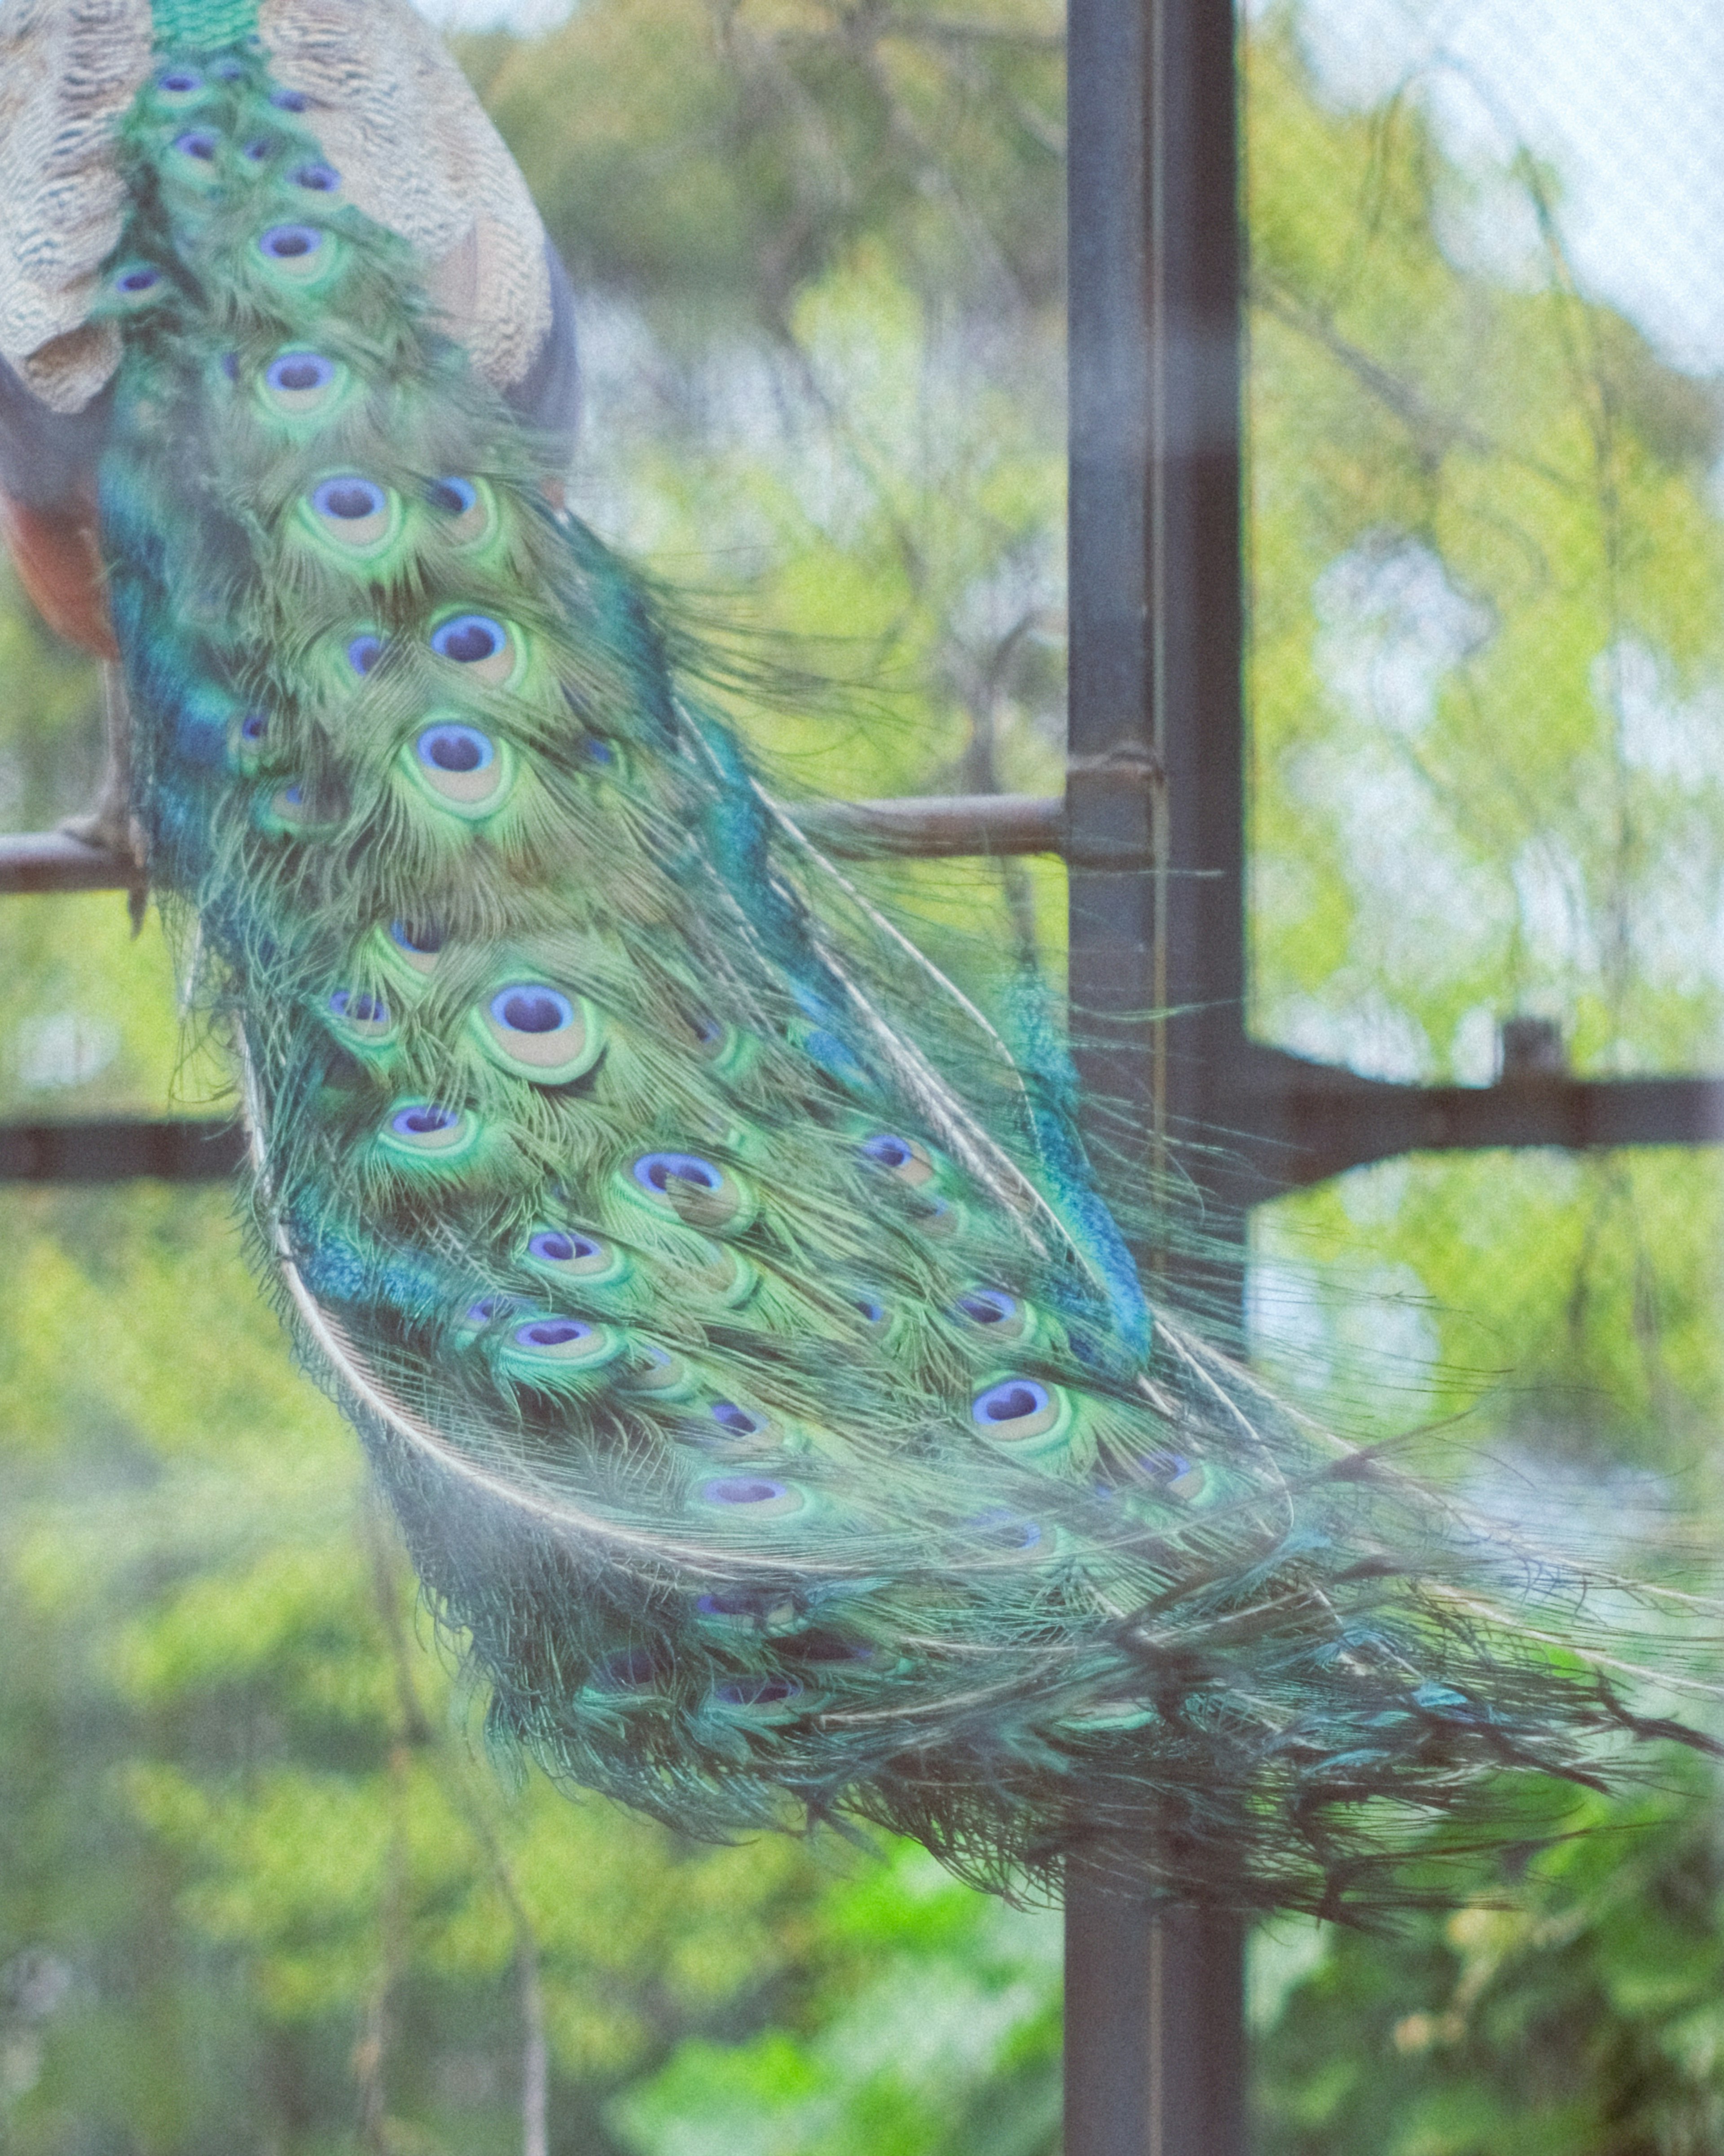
1624,99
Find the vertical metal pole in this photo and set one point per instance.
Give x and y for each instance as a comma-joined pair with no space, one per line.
1154,2044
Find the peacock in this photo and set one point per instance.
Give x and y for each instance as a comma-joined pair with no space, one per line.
765,1390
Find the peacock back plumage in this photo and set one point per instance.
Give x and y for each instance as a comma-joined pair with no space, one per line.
766,1395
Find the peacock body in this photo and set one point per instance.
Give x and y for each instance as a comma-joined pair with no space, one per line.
765,1393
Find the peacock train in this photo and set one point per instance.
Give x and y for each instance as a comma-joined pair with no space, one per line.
766,1393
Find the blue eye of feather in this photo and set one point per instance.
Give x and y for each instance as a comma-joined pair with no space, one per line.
988,1306
737,1420
228,70
363,1009
469,639
230,364
140,279
316,177
199,142
348,499
532,1010
654,1171
455,497
425,937
552,1332
424,1119
743,1490
297,372
601,751
1009,1401
259,150
1165,1467
885,1149
288,100
558,1249
290,242
872,1311
180,82
489,1307
455,748
253,727
755,1691
364,652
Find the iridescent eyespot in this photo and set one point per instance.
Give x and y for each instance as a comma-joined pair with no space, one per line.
296,373
657,1171
179,81
736,1422
295,383
258,149
364,652
455,750
759,1496
477,643
464,507
904,1159
317,178
428,1129
349,500
424,939
462,767
137,281
290,242
359,1013
553,1333
424,1121
228,70
540,1033
1018,1410
230,365
544,1344
531,1010
872,1311
994,1309
201,143
353,512
569,1251
490,1308
289,100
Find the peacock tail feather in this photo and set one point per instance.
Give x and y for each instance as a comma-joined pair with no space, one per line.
766,1395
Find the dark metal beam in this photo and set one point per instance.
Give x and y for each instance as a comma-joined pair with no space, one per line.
119,1149
1154,2045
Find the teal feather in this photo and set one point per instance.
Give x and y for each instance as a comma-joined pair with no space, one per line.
766,1393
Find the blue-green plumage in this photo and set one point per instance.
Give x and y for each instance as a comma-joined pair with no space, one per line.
764,1390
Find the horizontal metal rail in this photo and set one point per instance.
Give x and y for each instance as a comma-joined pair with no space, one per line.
1277,1121
925,825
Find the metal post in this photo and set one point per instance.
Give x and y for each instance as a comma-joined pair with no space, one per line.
1154,2044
